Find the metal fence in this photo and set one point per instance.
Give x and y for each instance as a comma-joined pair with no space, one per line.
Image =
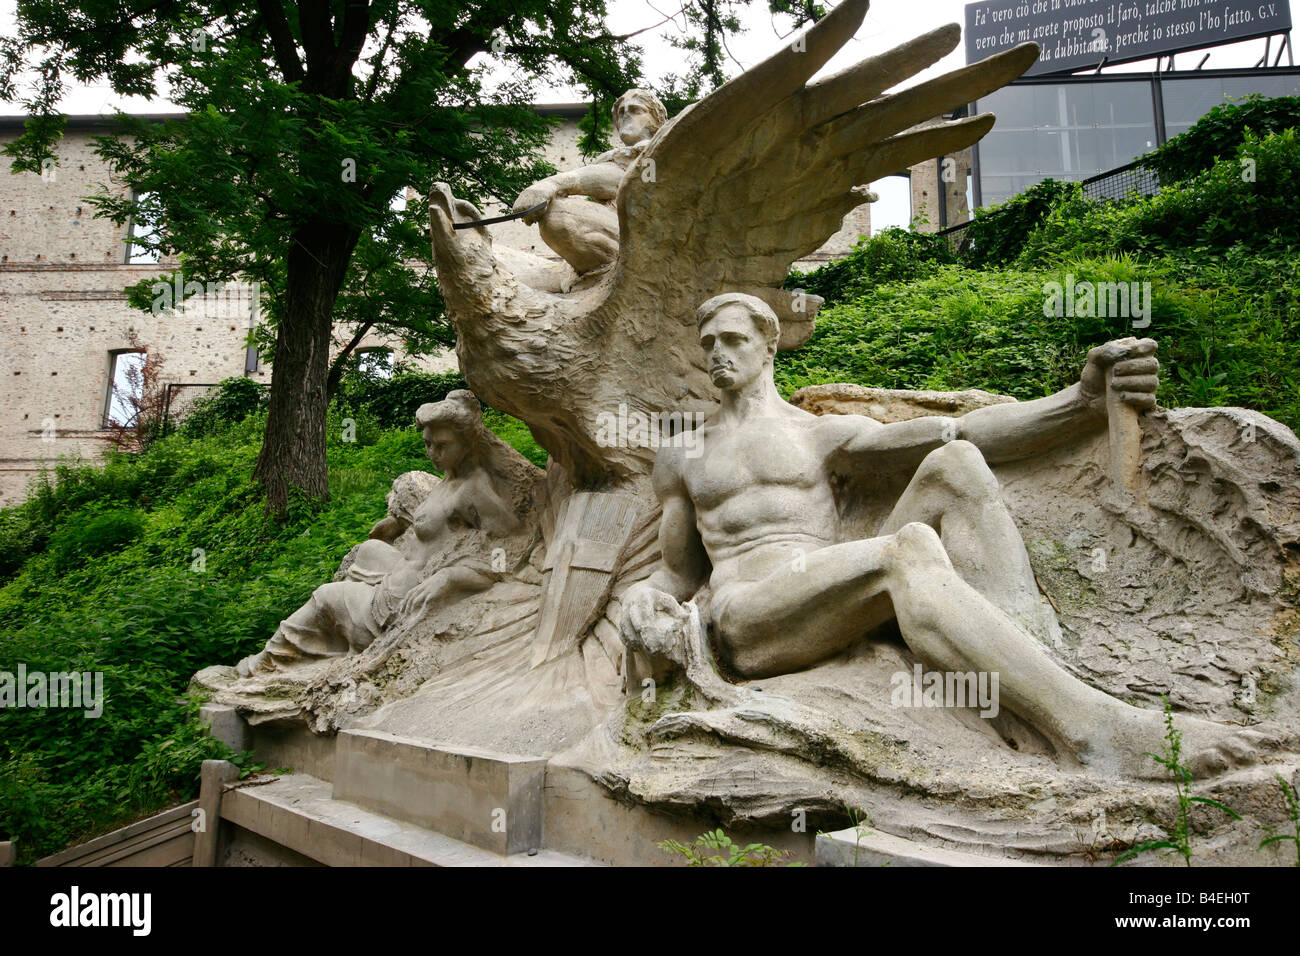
179,399
1132,179
1122,182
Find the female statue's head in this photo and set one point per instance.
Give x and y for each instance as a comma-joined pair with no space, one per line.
459,444
453,430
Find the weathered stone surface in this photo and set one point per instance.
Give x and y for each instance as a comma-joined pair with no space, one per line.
724,196
298,813
862,846
225,724
482,797
443,540
887,405
214,777
1198,598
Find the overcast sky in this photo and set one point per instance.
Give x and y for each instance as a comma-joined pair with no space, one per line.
888,23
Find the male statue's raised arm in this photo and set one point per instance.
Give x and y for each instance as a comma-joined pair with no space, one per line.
1018,430
585,234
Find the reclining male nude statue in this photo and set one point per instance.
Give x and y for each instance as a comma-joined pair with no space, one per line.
584,233
481,506
749,509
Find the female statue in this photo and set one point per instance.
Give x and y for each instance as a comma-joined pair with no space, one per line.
441,542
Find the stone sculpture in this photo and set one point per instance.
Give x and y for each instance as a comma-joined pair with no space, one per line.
752,515
585,233
734,653
725,196
468,530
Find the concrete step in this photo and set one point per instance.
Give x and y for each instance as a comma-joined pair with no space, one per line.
300,813
488,799
868,847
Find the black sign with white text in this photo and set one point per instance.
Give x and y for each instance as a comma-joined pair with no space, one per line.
1076,34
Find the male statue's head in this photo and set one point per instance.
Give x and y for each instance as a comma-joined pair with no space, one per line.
638,114
739,334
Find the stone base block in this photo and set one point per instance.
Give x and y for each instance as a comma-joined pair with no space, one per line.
491,800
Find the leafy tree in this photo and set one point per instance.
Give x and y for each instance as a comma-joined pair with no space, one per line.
305,119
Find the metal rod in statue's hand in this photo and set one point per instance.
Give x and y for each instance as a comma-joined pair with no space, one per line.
514,215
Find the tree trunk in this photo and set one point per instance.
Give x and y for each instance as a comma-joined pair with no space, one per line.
293,448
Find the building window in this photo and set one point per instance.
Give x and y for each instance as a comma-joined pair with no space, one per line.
125,387
142,228
375,362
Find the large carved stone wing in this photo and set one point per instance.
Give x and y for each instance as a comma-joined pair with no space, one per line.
738,186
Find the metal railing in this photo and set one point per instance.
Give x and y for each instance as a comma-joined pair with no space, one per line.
1114,184
177,403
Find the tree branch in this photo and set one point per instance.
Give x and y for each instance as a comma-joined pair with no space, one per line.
286,51
373,83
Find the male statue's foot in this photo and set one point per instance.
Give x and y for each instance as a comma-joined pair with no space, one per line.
1207,749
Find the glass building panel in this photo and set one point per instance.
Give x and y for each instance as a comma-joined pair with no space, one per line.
1062,131
1189,98
1078,129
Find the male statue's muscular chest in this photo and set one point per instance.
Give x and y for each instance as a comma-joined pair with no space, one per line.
757,454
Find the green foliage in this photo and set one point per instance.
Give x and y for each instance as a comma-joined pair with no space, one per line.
996,235
233,400
147,568
1228,328
730,854
97,533
1219,132
516,434
1292,803
1218,250
893,255
1170,757
1245,202
393,401
304,125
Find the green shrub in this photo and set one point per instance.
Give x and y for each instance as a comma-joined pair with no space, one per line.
91,533
147,568
892,255
1218,134
233,400
1229,332
996,235
393,401
516,434
1244,201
